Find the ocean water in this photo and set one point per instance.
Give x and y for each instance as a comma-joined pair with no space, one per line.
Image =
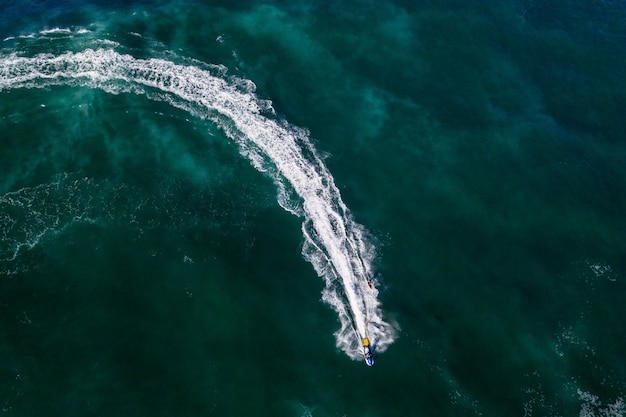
205,205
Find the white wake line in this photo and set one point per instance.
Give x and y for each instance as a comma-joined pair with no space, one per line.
271,146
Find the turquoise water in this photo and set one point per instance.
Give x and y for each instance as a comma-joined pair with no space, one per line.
194,196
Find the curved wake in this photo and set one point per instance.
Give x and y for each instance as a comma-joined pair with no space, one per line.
334,243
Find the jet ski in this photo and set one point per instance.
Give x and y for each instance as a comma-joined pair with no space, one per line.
367,352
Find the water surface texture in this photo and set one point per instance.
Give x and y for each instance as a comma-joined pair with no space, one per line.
205,206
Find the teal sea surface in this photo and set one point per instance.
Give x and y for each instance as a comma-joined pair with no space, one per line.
206,206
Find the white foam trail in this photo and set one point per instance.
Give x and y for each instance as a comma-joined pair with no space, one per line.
334,243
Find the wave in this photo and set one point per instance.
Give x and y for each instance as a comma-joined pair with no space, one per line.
31,212
51,33
32,216
338,248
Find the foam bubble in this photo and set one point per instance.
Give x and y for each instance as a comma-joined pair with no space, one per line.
602,270
592,406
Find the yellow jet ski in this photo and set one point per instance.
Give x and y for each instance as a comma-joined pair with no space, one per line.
367,352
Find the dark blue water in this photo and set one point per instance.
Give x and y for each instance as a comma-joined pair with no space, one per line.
466,158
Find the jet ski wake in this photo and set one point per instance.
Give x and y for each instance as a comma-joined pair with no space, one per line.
338,248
